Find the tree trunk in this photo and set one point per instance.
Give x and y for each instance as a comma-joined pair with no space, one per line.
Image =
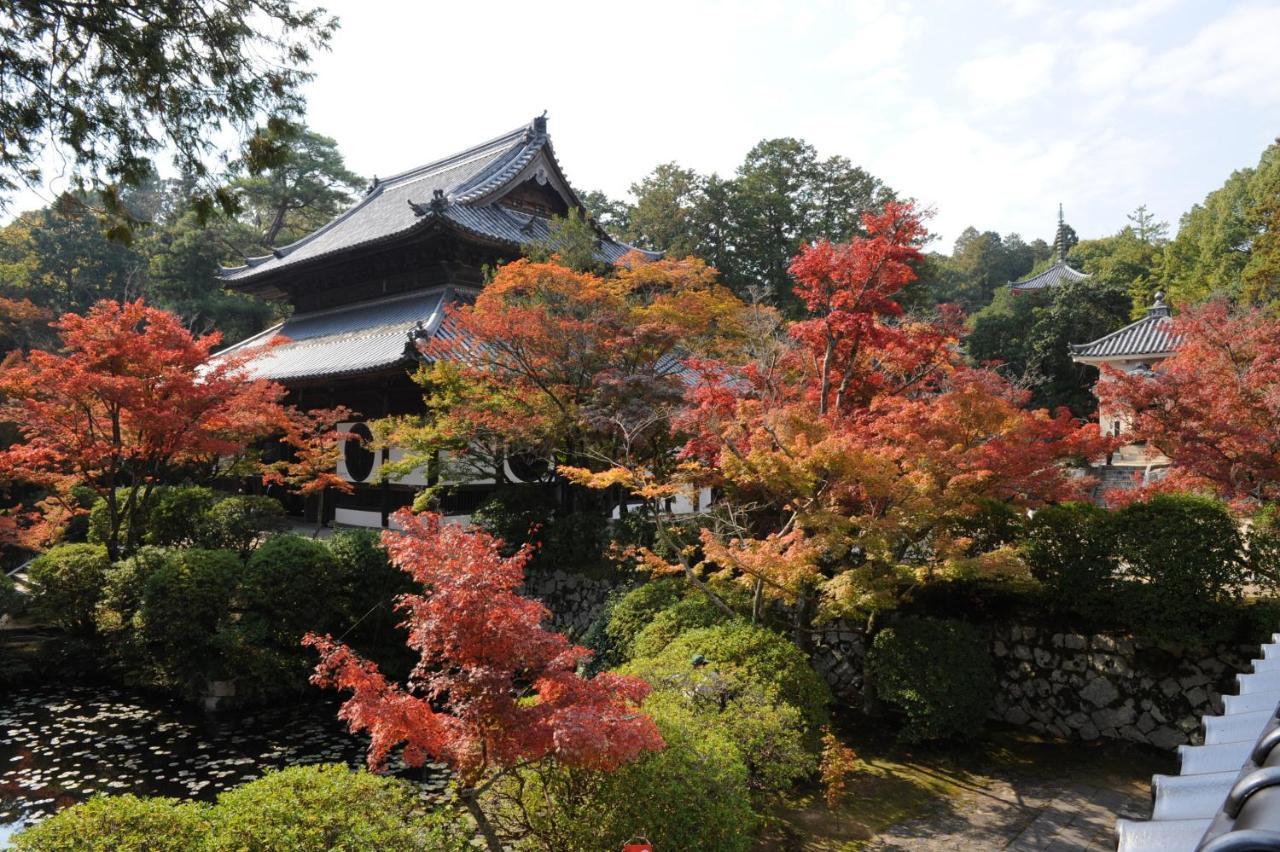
319,513
482,822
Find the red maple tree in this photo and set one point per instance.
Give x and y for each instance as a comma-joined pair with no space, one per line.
130,399
1213,406
492,690
850,448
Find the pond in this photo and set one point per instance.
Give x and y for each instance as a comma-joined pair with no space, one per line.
61,745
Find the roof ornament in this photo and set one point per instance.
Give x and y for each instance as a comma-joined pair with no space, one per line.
540,124
1158,307
373,184
436,205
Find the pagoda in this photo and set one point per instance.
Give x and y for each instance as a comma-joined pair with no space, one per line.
1059,273
1137,348
376,280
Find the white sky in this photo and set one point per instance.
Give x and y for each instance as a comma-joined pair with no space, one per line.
991,112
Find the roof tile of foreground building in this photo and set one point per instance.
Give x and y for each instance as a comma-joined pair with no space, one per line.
462,191
361,338
1226,795
1151,335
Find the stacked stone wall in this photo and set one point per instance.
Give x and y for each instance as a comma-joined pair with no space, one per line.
1072,685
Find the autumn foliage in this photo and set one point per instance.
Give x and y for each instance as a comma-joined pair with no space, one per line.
130,399
850,447
492,688
568,364
1213,406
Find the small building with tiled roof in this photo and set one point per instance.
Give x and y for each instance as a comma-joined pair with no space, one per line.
1056,275
376,280
1136,348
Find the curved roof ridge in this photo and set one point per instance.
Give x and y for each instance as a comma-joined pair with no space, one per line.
1150,335
506,139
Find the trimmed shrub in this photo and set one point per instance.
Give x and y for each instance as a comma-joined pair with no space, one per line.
330,807
1264,549
689,613
370,586
938,673
740,657
770,734
1185,560
634,610
239,523
184,604
291,585
66,583
691,796
301,809
992,525
1071,549
119,824
177,515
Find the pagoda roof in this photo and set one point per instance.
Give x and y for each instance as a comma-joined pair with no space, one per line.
463,192
1152,335
364,337
1058,274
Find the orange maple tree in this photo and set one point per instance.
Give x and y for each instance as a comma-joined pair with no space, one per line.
849,455
493,690
1213,407
573,366
313,442
129,400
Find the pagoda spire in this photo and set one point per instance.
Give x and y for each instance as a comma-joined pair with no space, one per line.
1060,237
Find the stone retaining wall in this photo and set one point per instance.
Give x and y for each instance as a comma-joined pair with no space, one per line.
1061,684
575,601
1077,686
1071,685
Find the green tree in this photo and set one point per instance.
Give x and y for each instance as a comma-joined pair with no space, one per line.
308,186
1031,333
108,85
1230,243
980,263
666,214
60,259
611,214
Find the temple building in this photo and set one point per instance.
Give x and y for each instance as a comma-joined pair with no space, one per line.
1059,273
369,284
1136,348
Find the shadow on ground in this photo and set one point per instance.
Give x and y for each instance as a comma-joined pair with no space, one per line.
1008,790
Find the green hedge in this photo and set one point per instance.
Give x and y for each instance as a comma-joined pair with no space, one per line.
240,523
301,809
741,658
66,583
323,808
690,796
119,824
937,673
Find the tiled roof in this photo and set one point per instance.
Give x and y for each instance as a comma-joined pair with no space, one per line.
1059,273
456,190
358,338
1151,335
1227,786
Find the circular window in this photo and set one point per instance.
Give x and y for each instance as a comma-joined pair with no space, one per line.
357,455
